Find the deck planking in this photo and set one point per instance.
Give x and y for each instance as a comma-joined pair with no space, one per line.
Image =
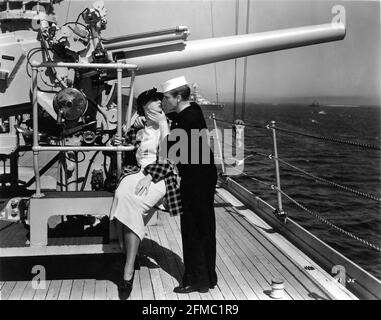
100,290
258,264
157,284
251,275
112,290
54,290
77,289
29,292
6,290
246,263
89,289
288,270
40,293
263,260
18,290
65,290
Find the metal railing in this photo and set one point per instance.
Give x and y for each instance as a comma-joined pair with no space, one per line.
118,149
279,212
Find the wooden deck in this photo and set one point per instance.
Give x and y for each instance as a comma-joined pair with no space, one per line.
247,260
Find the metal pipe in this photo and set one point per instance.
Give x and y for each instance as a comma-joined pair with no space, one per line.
145,41
76,170
123,66
82,148
199,52
119,119
130,100
38,193
219,144
276,164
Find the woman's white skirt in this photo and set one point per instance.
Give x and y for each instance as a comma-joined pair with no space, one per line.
132,210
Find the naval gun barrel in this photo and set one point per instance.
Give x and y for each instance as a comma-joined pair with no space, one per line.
145,41
199,52
177,30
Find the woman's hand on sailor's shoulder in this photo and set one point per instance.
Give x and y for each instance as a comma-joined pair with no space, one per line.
143,185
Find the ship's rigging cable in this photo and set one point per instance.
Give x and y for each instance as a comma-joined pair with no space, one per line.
251,153
331,139
215,64
235,60
67,12
353,143
245,64
251,177
331,183
333,226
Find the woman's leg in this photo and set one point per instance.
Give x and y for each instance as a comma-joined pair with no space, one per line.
131,242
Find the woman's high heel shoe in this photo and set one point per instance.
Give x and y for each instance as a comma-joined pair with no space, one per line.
126,287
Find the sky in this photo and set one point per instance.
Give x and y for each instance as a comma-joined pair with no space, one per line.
346,71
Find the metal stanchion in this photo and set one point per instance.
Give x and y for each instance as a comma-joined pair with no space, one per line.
279,211
119,125
38,193
219,145
130,100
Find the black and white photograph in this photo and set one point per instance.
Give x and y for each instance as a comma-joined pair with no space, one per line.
203,152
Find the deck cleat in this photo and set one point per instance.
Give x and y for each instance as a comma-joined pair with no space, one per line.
277,288
281,215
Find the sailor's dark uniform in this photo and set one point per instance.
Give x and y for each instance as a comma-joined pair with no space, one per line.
197,188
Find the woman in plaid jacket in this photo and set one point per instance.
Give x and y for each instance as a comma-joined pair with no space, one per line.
143,186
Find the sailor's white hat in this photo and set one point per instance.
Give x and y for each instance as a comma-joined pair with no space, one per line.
174,83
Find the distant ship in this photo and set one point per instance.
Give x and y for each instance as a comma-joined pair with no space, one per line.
315,104
204,103
343,105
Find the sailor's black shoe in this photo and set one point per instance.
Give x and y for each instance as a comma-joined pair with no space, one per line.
190,288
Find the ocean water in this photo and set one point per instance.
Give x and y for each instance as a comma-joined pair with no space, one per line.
352,166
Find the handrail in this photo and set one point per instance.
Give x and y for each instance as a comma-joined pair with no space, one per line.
331,183
353,143
334,184
279,212
331,139
321,219
314,214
